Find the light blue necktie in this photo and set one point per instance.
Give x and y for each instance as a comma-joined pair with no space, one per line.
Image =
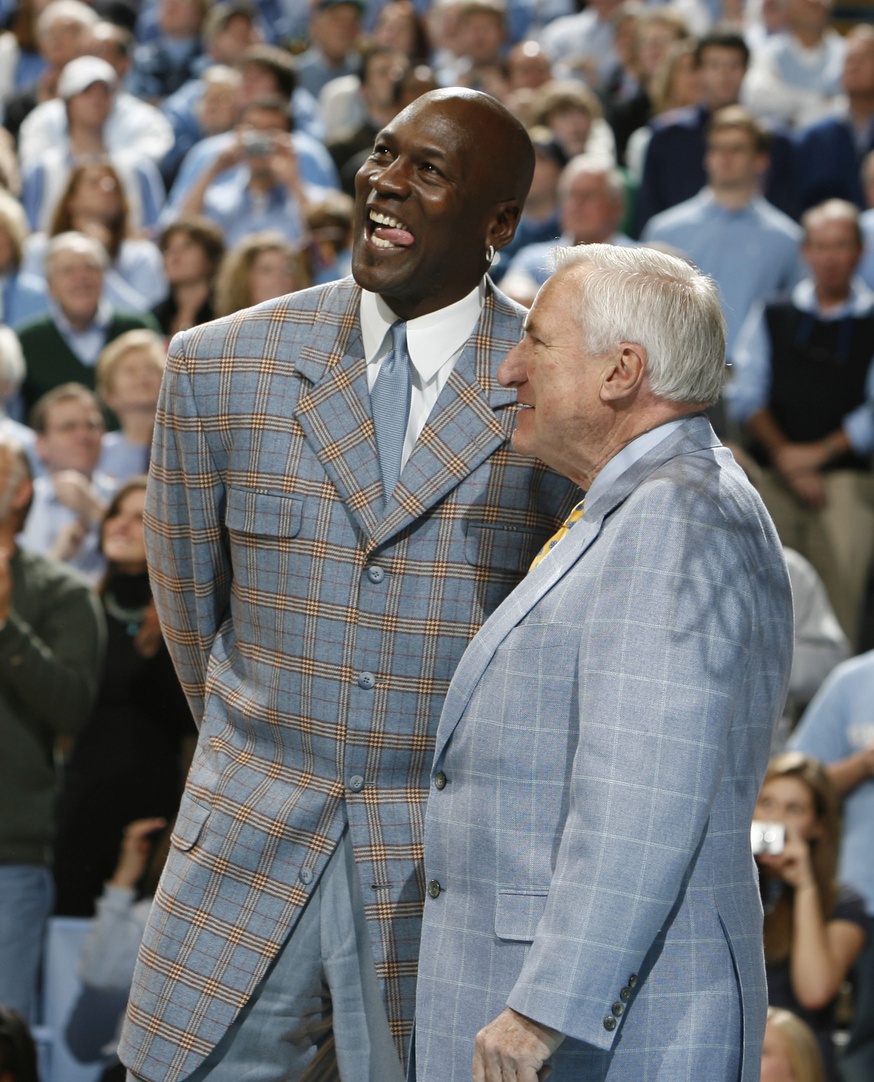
390,406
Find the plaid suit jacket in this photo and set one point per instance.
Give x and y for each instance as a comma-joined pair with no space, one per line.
602,746
315,635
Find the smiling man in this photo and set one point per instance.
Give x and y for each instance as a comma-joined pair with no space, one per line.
324,543
592,900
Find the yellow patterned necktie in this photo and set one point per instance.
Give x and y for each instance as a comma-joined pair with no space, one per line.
573,517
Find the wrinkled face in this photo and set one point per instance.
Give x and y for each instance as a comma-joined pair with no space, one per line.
721,72
425,206
557,383
832,252
271,275
71,440
123,542
75,280
788,800
590,212
135,383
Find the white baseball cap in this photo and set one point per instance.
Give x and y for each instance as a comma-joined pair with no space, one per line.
82,72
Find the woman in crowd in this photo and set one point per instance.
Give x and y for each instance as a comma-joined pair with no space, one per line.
127,763
94,202
399,26
815,928
258,269
192,248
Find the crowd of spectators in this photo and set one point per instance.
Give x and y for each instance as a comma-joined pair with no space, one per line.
165,162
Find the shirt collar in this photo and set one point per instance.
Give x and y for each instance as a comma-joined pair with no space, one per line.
859,302
431,339
102,318
630,454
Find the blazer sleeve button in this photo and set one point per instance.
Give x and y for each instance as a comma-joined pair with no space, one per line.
625,995
609,1023
618,1009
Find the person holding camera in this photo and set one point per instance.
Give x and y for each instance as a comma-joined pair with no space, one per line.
815,927
268,194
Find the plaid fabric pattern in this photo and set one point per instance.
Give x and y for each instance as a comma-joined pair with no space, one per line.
315,628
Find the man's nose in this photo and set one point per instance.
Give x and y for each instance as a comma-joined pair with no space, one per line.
391,179
512,370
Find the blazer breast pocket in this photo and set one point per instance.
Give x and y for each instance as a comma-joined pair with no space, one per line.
518,912
264,514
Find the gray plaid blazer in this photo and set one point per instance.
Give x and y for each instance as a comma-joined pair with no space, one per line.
597,762
315,635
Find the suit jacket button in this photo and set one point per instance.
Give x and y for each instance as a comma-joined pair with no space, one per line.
356,783
375,574
366,680
609,1023
434,889
625,995
305,875
618,1009
440,780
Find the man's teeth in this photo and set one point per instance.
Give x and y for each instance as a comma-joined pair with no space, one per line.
386,219
380,243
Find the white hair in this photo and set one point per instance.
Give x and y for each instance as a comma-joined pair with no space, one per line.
594,165
12,367
659,302
72,241
19,470
71,11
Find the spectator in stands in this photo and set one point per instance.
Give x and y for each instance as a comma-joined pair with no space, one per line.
60,36
11,379
334,35
830,153
94,202
51,646
127,762
131,126
329,223
480,39
365,112
162,65
673,170
267,69
64,344
20,62
728,230
22,295
815,927
790,1052
129,375
399,26
838,729
17,1048
795,74
259,268
581,46
803,385
574,116
192,248
70,498
87,86
592,205
267,192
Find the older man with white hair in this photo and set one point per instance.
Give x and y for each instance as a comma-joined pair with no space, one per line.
592,902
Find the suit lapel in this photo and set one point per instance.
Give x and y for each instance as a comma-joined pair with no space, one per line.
693,435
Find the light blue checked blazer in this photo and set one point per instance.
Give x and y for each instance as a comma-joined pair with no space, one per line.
315,633
598,759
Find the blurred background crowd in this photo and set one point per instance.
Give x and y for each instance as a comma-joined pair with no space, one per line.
166,162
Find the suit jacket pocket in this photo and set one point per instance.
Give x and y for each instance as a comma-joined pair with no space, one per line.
497,546
268,514
190,822
518,912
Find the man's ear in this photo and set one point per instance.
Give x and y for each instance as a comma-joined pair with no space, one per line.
503,226
23,495
627,373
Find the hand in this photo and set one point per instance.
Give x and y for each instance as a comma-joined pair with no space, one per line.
793,865
136,849
5,582
513,1048
68,540
74,490
229,157
808,488
283,163
149,637
800,457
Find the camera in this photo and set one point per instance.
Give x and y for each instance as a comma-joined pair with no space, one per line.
769,838
257,145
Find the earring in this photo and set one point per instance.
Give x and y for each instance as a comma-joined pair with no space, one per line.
490,254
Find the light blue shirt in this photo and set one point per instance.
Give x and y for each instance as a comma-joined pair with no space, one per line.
623,460
751,254
749,389
87,344
239,212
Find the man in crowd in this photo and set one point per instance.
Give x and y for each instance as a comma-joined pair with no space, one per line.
591,896
803,386
51,647
333,511
64,345
728,230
